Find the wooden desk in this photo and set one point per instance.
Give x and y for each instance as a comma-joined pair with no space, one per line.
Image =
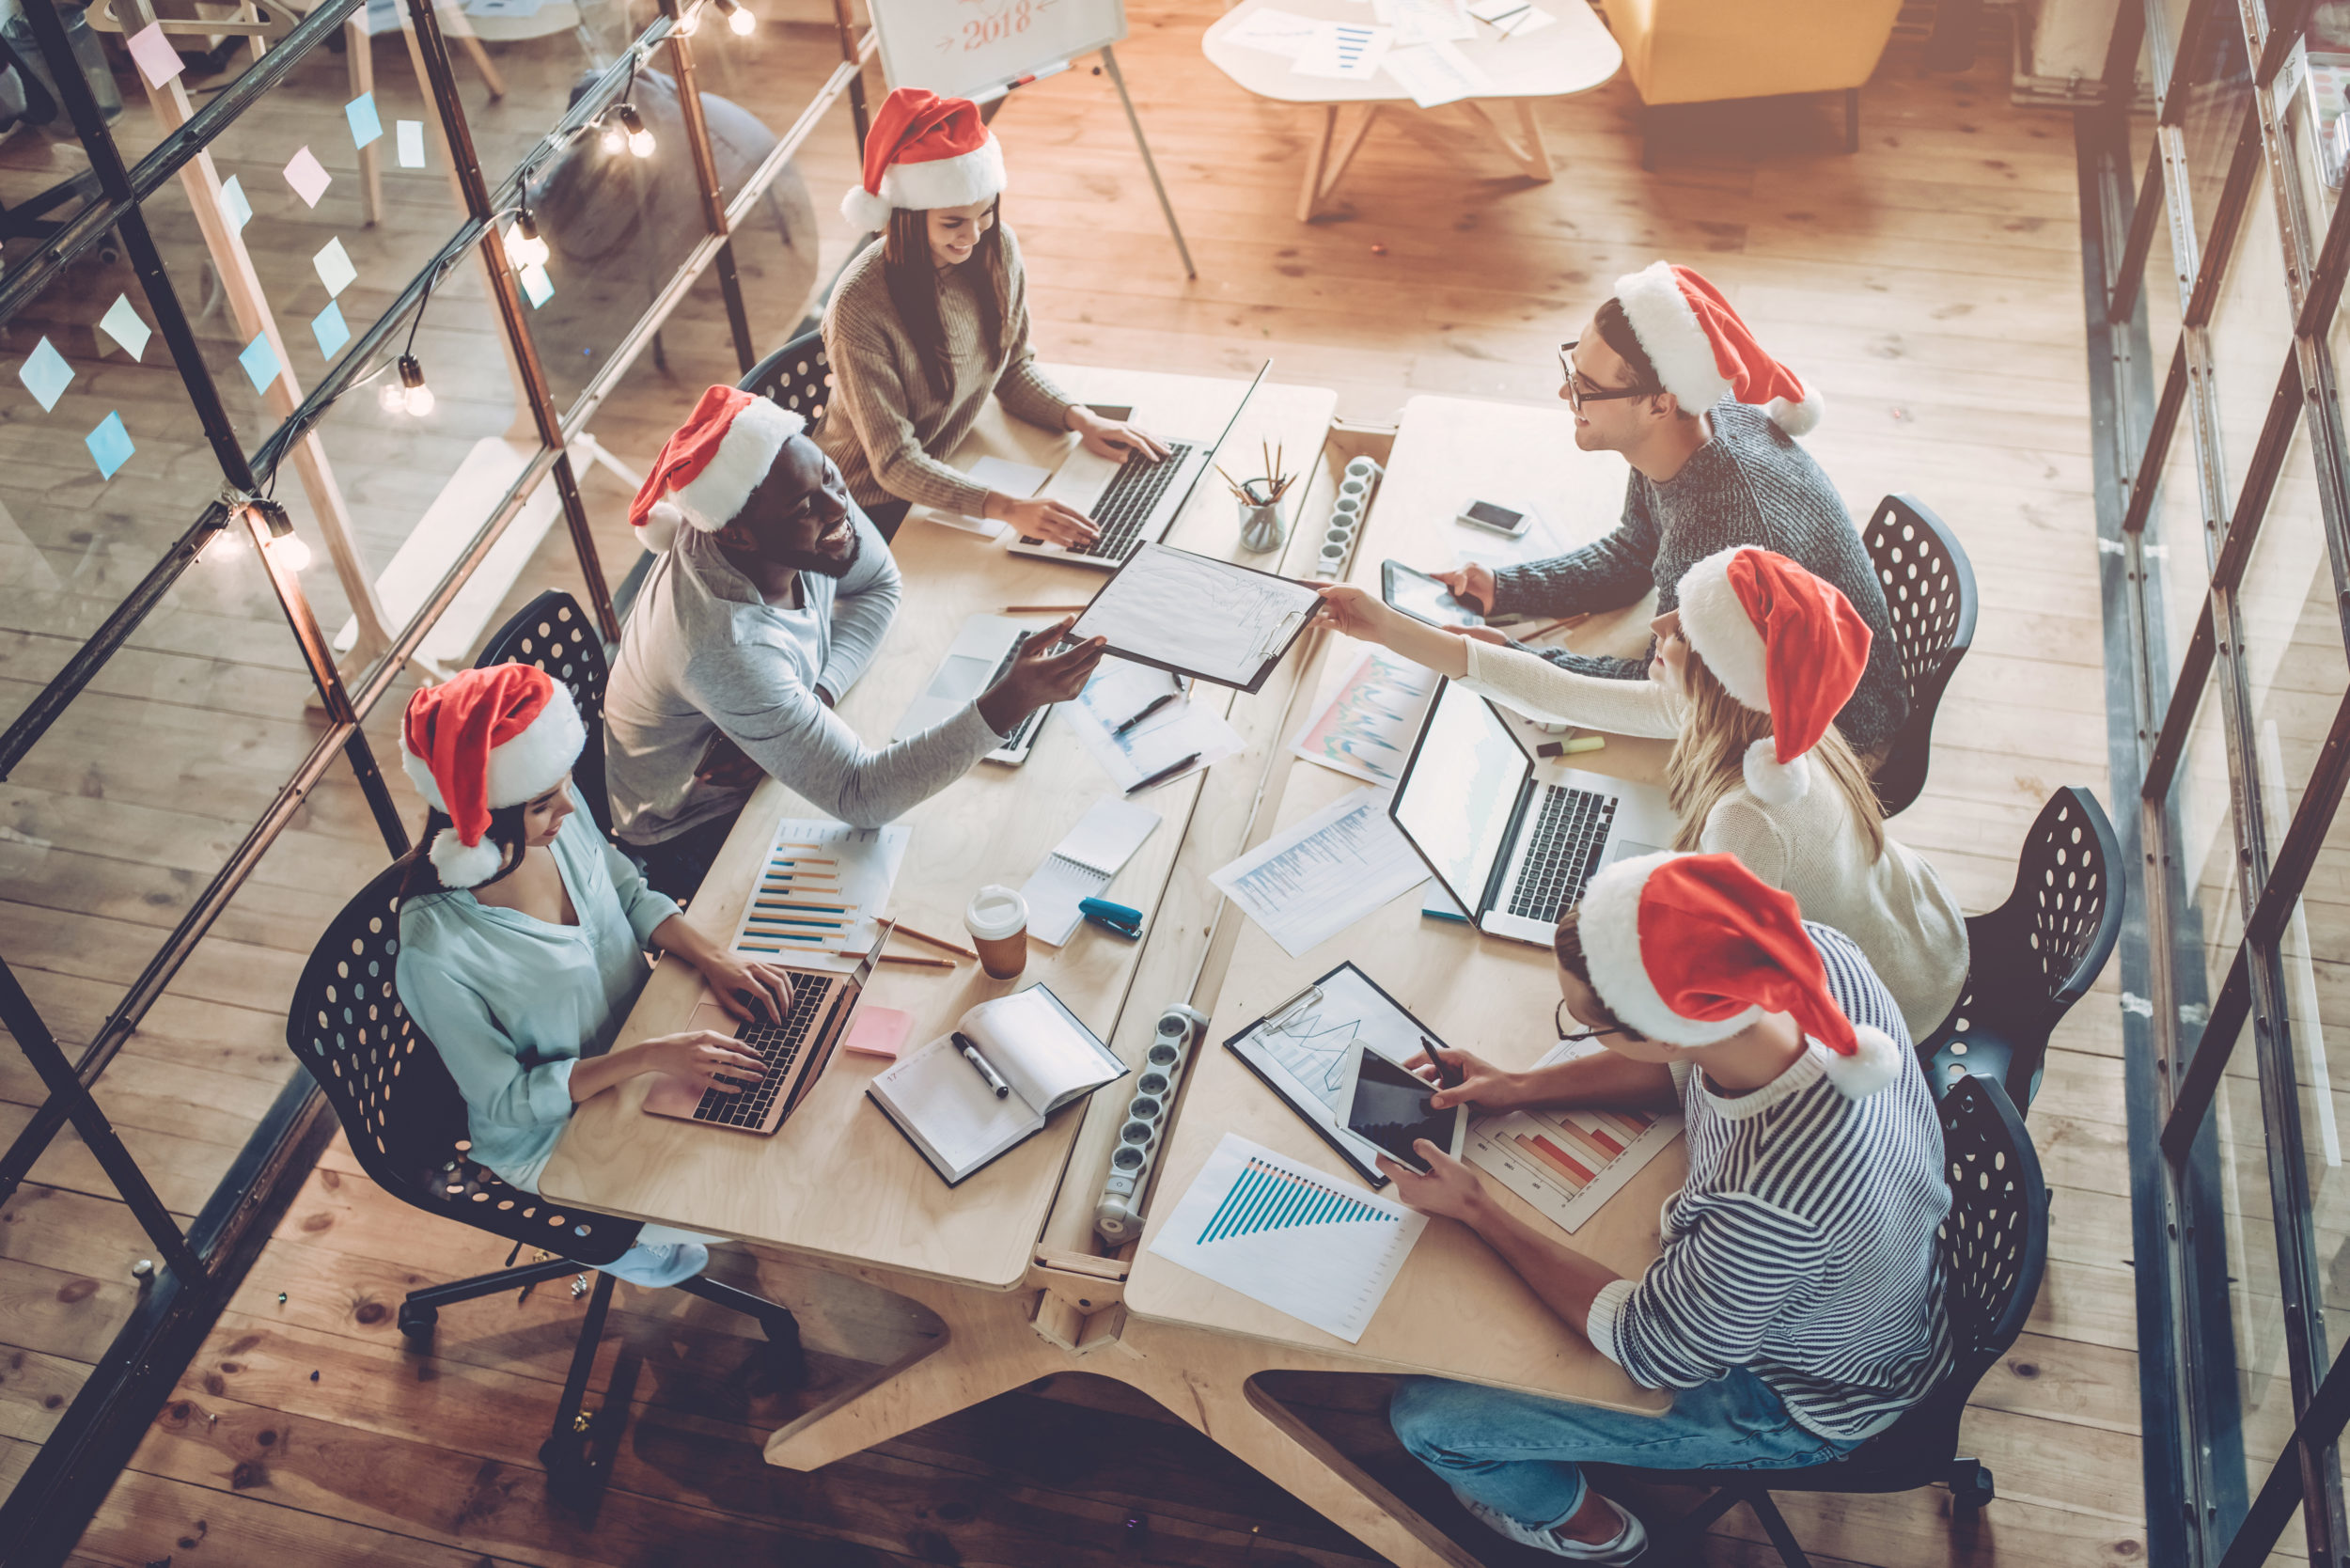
838,1183
1574,54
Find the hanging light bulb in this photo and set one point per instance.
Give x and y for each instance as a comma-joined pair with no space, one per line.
739,17
615,138
415,396
525,246
640,139
392,397
292,551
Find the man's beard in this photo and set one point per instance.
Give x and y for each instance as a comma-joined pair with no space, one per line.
823,565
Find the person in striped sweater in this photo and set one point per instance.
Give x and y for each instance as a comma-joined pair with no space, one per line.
1796,1307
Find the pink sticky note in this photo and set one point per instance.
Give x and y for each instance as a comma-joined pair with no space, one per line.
879,1031
309,177
158,61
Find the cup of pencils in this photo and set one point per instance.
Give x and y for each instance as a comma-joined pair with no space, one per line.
1260,525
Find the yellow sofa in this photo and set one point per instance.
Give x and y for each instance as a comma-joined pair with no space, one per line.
1705,51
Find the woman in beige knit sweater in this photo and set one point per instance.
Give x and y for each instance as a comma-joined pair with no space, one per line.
926,324
1748,676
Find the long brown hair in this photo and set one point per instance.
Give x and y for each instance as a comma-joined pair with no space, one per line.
1709,758
912,274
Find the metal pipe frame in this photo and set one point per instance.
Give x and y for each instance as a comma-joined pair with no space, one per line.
689,100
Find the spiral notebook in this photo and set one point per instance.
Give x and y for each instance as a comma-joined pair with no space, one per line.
1083,865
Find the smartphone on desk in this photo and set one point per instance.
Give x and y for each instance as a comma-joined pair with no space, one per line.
1391,1108
1423,598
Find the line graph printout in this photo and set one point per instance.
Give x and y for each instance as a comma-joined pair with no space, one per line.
1284,1233
1225,623
1568,1163
1366,729
1314,879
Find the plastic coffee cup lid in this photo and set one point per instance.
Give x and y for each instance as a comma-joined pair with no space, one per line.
995,912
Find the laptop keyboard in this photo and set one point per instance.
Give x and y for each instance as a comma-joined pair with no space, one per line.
1126,505
1569,836
780,1046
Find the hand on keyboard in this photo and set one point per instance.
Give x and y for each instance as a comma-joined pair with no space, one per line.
702,1058
1056,522
1117,439
748,989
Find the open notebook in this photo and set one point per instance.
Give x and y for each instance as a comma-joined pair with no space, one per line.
946,1104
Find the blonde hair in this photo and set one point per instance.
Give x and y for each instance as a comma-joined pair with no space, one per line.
1708,759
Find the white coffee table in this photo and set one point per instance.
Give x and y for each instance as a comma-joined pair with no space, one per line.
1573,54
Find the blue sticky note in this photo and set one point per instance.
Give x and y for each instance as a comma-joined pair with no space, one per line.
45,374
234,205
366,126
110,444
331,330
536,286
260,362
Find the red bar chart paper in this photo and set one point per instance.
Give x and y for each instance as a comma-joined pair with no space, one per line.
1567,1163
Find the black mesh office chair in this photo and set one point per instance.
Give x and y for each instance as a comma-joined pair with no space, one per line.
406,1122
2030,960
796,375
554,634
1994,1244
1930,589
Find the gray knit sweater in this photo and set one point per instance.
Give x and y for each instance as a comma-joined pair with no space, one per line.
1751,484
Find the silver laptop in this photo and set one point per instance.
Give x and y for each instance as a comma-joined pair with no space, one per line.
1513,852
980,653
1134,504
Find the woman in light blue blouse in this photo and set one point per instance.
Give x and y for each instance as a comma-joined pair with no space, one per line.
523,937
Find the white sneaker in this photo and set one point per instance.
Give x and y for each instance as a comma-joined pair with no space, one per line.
659,1265
1629,1542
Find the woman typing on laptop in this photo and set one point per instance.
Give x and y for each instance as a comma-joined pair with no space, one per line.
523,937
1748,674
925,325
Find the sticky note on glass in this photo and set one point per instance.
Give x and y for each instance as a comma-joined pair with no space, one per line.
410,133
109,445
537,288
331,330
260,362
45,373
366,125
158,61
309,177
335,267
121,322
234,205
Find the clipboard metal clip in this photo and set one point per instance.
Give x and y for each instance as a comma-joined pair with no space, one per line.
1280,1016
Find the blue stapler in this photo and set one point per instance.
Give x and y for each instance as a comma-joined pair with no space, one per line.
1110,917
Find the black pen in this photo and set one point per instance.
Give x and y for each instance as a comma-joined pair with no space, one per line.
971,1054
1163,774
1447,1076
1152,707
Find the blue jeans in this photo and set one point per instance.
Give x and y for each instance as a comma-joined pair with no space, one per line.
1518,1454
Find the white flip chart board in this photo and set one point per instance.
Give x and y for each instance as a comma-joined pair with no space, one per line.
975,48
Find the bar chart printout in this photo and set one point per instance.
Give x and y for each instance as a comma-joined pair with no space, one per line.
821,892
1567,1163
1314,879
1314,1246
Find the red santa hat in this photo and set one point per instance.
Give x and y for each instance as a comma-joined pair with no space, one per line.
1701,349
924,152
1690,949
482,740
708,468
1781,642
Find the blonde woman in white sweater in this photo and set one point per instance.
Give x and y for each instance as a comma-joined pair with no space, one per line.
1747,676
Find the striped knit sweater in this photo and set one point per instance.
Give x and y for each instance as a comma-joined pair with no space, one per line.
1751,484
886,428
1803,1245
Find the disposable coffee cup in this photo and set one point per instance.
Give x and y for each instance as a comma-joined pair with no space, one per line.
998,919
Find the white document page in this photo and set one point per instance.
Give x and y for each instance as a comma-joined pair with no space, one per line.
1044,1056
1311,881
1423,21
1344,52
1512,17
1083,865
818,900
1274,32
1121,689
1436,73
1205,616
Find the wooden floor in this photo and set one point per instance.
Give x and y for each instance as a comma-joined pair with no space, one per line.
1929,285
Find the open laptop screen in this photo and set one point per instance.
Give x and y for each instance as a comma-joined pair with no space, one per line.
1460,791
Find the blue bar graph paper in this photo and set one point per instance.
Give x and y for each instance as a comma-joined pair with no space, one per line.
1265,1199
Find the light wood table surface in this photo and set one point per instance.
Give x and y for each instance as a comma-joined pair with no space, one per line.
838,1182
1575,54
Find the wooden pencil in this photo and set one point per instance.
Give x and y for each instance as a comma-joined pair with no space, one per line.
919,963
904,930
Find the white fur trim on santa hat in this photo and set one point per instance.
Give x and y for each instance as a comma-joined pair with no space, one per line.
464,865
1875,1063
524,767
658,531
1720,632
744,454
1672,337
1610,928
1797,418
957,181
1772,781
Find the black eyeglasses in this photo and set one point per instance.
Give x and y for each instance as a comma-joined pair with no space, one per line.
1558,1018
1576,396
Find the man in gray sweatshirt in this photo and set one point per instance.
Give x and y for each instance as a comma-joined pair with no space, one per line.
756,620
1667,375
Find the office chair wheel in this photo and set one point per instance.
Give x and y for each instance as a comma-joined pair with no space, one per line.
578,1462
416,1324
1971,1487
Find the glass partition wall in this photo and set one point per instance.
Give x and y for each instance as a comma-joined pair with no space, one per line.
305,318
2215,250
